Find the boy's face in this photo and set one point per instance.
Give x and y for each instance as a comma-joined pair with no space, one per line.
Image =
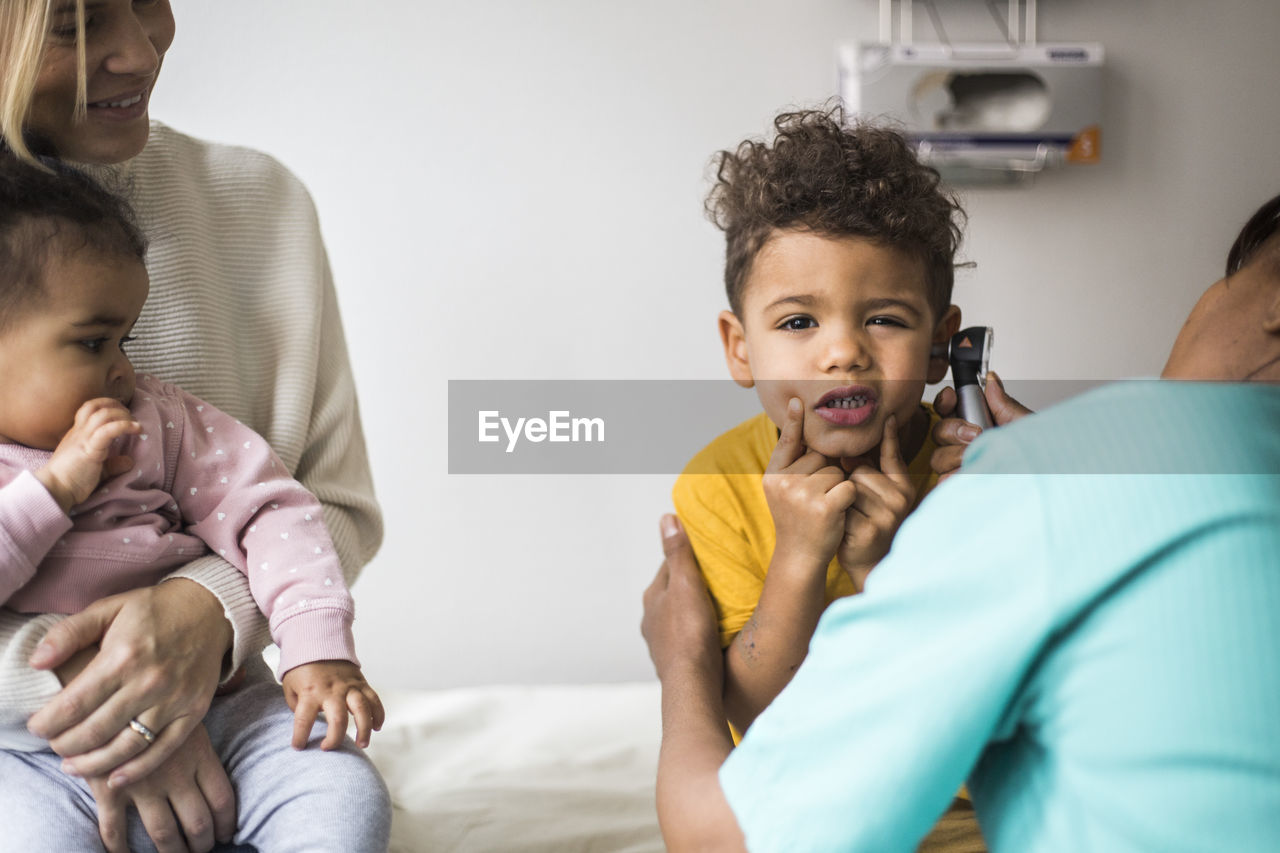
65,347
843,324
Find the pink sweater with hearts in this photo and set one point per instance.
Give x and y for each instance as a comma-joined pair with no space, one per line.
201,481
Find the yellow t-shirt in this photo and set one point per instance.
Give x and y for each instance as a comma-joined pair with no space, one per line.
720,500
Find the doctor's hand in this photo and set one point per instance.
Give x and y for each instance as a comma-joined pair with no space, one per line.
953,435
679,623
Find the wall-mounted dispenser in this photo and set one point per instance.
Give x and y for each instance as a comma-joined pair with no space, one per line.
980,113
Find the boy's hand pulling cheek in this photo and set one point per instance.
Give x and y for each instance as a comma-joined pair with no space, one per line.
884,499
807,494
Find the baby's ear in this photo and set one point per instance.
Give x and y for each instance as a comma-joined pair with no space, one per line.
734,340
942,332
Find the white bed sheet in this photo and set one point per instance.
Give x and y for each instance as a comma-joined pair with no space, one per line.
568,769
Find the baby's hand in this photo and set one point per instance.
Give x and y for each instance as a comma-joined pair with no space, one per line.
332,686
884,500
84,455
807,495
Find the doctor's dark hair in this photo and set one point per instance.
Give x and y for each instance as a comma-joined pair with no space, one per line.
1257,232
824,175
50,207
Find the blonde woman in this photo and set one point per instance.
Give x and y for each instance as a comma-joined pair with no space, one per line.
243,313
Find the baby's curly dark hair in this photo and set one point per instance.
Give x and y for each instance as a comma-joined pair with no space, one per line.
824,175
52,207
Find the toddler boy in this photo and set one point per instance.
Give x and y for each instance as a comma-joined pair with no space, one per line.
839,264
839,270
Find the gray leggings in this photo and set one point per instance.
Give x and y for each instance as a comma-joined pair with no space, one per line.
309,801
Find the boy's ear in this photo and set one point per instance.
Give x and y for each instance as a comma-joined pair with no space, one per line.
947,326
734,340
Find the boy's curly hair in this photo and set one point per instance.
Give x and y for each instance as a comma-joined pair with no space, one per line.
822,175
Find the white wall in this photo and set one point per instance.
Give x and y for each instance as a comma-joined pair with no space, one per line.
512,189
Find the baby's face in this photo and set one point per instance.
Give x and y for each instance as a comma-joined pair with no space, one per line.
841,323
66,347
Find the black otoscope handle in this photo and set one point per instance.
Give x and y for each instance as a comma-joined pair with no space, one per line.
970,351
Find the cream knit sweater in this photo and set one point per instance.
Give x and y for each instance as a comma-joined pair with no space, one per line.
242,312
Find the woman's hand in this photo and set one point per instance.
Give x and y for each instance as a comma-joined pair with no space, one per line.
185,805
161,652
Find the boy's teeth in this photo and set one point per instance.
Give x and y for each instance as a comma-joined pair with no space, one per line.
848,403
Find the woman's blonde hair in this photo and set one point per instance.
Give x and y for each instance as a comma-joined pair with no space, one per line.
24,29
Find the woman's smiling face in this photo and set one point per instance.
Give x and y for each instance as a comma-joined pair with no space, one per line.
125,43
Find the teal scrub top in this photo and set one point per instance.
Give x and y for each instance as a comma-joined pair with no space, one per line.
1084,624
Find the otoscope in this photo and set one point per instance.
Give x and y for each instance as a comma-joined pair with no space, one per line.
970,352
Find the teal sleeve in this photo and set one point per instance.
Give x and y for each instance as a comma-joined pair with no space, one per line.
904,684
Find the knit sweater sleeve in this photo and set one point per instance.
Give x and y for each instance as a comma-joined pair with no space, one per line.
23,690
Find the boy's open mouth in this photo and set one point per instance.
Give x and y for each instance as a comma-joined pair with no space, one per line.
847,406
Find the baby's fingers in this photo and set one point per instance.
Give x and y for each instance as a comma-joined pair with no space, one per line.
304,717
335,711
99,441
363,713
375,705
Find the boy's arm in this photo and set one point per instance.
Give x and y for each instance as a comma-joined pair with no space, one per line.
807,500
769,649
